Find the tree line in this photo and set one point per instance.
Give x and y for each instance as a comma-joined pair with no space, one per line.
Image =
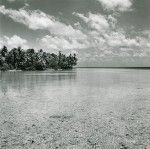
20,59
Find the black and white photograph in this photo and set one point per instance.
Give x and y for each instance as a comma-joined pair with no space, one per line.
74,74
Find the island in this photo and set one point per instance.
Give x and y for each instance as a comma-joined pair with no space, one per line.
30,60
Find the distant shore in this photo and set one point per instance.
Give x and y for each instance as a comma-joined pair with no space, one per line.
118,67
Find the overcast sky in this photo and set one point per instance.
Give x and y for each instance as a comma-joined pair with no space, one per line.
101,32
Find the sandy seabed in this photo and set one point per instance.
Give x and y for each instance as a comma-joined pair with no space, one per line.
128,130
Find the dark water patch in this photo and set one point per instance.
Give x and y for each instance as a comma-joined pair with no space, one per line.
61,117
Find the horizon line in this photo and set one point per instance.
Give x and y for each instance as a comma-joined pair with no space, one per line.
148,67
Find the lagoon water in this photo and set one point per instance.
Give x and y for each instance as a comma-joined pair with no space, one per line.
91,107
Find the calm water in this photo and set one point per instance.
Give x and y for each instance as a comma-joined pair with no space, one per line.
81,92
82,109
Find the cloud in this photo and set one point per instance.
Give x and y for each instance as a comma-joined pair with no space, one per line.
147,33
94,21
13,42
98,35
121,5
1,43
61,36
140,54
11,0
33,19
118,39
37,19
106,38
60,43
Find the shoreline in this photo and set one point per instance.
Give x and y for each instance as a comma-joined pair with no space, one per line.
136,68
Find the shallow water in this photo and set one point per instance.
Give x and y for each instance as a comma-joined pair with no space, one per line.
94,96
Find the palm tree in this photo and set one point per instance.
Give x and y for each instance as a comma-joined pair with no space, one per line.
17,58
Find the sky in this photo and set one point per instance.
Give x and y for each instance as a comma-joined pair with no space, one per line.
103,33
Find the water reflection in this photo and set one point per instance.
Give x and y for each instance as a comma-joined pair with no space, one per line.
79,92
30,80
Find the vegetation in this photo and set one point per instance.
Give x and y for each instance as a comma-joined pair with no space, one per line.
19,59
